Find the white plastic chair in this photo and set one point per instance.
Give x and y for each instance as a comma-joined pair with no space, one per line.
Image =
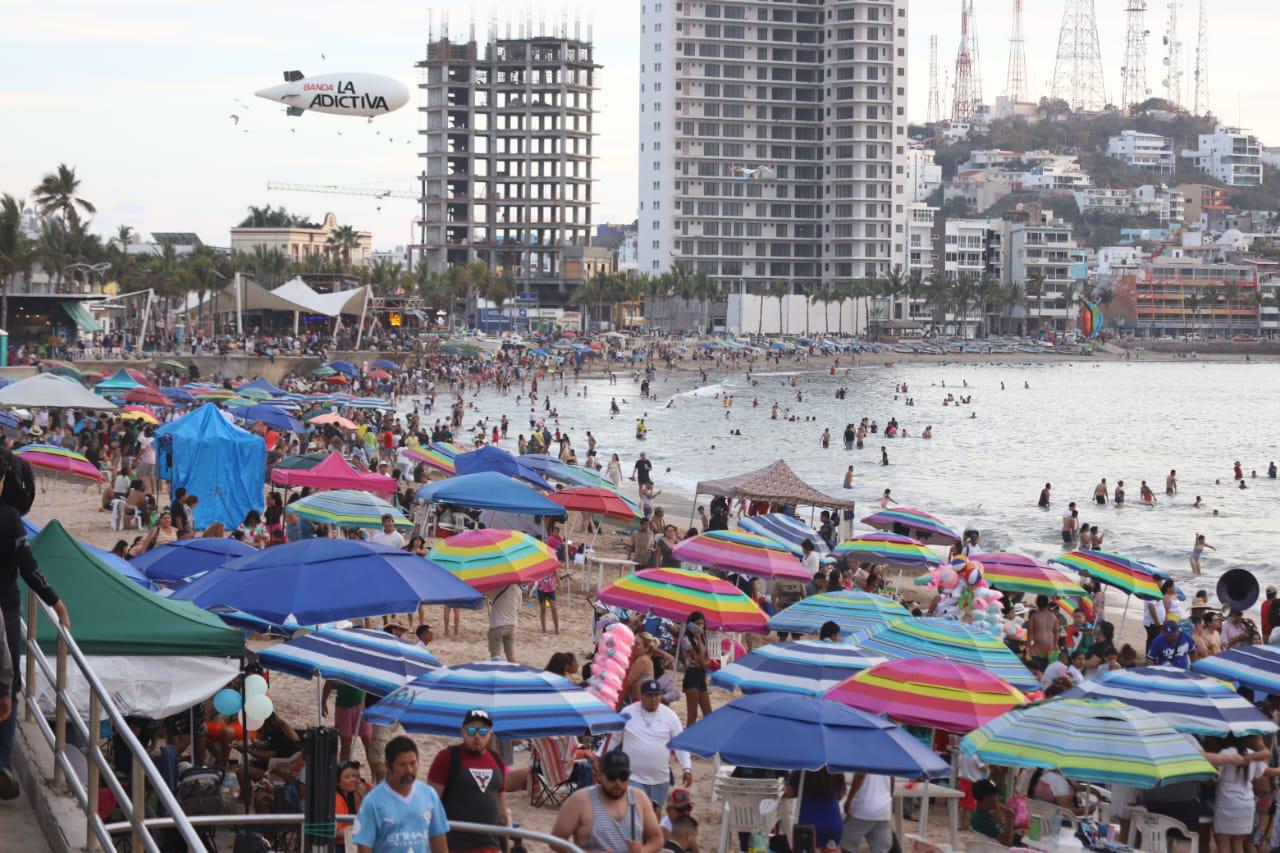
121,518
1051,815
747,805
1154,829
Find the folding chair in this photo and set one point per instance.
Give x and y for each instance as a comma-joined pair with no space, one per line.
551,772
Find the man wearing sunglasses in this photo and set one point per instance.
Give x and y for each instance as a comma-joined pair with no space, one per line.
610,816
469,778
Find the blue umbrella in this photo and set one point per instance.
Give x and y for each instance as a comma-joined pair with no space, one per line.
323,580
344,367
370,660
523,702
549,466
178,395
9,421
262,385
186,558
1255,667
501,461
810,667
783,731
786,530
489,491
386,364
538,351
269,415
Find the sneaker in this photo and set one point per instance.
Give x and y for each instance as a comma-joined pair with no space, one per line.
9,789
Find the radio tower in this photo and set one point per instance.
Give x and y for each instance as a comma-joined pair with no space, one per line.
934,113
975,61
1202,64
962,97
1077,73
1134,72
1173,59
1015,86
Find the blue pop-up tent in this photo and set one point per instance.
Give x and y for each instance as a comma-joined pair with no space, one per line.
218,462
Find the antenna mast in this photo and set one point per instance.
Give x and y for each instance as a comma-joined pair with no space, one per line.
1202,64
1173,59
934,113
1077,73
975,62
962,99
1015,87
1134,73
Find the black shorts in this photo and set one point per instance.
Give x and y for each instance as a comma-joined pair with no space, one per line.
695,678
1100,499
1067,537
544,597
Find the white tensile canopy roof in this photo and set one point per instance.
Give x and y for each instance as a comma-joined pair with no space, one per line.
50,391
298,292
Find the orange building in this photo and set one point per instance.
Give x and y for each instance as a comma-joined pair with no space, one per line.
1180,296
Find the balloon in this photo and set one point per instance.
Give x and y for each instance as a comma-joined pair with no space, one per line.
255,685
258,707
947,578
226,702
253,724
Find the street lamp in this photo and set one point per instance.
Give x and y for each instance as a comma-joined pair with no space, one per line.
99,268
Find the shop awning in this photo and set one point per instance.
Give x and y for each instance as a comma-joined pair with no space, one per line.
80,316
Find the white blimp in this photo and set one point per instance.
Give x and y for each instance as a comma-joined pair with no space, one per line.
355,94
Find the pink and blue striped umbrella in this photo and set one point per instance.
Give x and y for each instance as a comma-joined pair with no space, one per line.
741,553
890,549
916,523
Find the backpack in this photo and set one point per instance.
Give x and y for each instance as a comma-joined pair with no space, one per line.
19,489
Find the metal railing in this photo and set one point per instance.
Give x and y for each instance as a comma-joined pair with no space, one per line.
552,841
133,802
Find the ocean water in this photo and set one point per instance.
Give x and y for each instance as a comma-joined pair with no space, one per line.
987,461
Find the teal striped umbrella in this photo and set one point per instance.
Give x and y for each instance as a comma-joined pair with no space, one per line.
1105,742
851,609
947,639
348,508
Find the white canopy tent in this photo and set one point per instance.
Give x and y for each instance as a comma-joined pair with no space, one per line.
50,391
295,296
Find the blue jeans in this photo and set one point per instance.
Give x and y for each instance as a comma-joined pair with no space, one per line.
656,793
9,728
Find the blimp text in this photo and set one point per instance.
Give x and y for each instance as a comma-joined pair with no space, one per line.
349,102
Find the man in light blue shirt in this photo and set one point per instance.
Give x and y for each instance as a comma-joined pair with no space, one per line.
401,815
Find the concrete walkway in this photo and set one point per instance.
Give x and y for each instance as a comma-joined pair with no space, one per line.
21,828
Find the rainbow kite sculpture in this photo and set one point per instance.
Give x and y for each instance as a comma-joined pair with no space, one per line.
1090,321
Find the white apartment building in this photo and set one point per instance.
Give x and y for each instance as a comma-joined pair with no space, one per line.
1056,175
1229,154
923,175
1165,202
919,256
1042,248
973,248
773,139
1150,152
1104,200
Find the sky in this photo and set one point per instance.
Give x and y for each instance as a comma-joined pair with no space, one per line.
138,95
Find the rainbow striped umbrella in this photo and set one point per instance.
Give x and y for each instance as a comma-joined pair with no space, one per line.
947,639
801,666
213,393
676,593
448,448
58,364
493,558
430,457
890,549
915,523
1132,576
851,609
138,413
1018,573
59,460
1101,741
348,508
742,553
935,694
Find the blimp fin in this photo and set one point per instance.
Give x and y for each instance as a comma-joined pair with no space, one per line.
291,76
294,111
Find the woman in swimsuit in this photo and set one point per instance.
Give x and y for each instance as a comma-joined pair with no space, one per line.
1197,550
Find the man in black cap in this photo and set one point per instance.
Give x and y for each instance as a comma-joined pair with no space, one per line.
610,816
650,727
469,778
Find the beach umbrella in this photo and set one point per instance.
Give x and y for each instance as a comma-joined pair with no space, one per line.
1018,573
59,460
800,666
250,393
147,397
915,523
489,490
323,370
676,593
448,448
523,702
300,463
348,508
139,413
1100,741
378,375
602,502
932,694
366,659
186,558
336,379
742,553
575,475
324,580
431,458
386,364
786,530
901,552
1132,576
851,609
277,419
213,394
1255,667
344,367
785,731
1191,703
50,391
178,395
174,365
57,364
497,460
331,419
492,558
947,639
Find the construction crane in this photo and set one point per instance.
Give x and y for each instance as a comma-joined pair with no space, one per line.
340,190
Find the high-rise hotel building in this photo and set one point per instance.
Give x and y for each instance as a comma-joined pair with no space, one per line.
773,138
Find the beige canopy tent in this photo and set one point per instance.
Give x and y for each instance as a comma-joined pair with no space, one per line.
776,483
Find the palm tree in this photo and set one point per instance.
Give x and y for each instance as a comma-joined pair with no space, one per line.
991,299
780,290
1035,290
1015,296
15,250
1210,295
1252,298
269,265
1194,303
893,284
342,241
124,235
912,288
58,194
763,292
1068,301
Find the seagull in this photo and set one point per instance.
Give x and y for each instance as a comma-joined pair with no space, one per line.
322,56
377,133
235,118
293,130
339,133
